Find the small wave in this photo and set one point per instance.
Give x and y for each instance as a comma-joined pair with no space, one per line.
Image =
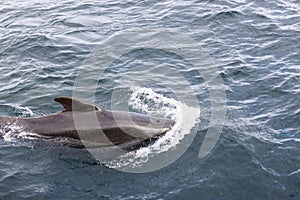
147,101
15,110
12,132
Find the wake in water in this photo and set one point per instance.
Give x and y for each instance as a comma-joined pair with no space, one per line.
13,132
15,110
146,101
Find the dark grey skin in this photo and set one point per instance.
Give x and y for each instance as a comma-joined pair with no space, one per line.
77,123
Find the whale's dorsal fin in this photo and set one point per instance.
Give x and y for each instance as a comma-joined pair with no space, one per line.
70,104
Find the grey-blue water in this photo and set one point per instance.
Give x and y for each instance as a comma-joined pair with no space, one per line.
255,47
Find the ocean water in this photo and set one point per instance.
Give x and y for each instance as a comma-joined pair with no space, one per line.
254,47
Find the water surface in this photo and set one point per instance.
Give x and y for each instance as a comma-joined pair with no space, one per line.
255,46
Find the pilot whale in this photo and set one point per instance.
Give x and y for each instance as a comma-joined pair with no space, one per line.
88,125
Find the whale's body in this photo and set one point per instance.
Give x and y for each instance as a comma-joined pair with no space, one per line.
87,125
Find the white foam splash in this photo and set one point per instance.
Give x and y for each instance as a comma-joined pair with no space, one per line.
12,131
24,111
147,101
9,132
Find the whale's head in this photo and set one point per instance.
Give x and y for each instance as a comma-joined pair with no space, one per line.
153,127
121,127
